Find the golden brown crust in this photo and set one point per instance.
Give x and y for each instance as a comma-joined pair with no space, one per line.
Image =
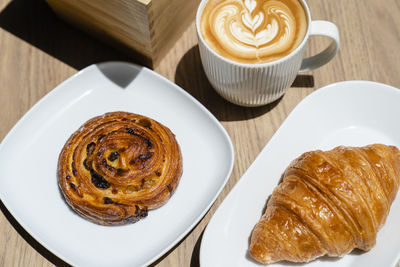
328,203
118,166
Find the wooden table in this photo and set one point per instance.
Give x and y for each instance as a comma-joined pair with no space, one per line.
38,51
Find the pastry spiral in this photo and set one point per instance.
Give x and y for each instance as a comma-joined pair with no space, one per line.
328,203
118,166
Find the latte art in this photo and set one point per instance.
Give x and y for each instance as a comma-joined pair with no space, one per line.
253,31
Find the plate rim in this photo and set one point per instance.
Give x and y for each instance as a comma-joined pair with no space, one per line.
171,85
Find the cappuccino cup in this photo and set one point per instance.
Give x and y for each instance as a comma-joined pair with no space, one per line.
252,50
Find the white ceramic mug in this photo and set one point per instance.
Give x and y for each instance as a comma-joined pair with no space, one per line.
259,84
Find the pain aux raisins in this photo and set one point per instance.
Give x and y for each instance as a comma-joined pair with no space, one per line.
113,169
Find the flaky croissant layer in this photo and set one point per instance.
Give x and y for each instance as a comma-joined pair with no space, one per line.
328,203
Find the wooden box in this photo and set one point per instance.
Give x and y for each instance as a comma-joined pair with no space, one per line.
146,29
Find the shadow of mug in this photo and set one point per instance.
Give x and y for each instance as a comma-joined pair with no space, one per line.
190,75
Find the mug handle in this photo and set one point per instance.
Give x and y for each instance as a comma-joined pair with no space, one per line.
327,29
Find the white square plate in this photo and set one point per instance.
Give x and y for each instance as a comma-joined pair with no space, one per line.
353,113
29,155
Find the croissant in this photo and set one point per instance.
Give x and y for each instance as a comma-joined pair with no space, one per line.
328,203
117,166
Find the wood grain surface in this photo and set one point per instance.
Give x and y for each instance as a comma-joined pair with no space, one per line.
150,27
38,51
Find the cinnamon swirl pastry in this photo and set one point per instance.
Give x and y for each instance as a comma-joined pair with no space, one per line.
118,166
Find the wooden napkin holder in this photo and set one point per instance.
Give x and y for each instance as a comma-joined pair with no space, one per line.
145,29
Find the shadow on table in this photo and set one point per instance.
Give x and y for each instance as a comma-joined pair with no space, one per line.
28,238
34,22
190,76
195,260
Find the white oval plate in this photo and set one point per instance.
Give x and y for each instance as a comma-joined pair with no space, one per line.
352,113
29,155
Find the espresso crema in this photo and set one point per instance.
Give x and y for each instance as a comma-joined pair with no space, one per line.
253,31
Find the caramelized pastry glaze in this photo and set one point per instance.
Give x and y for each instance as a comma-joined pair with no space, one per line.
328,203
118,166
253,31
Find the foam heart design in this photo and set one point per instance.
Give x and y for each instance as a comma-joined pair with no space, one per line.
254,30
